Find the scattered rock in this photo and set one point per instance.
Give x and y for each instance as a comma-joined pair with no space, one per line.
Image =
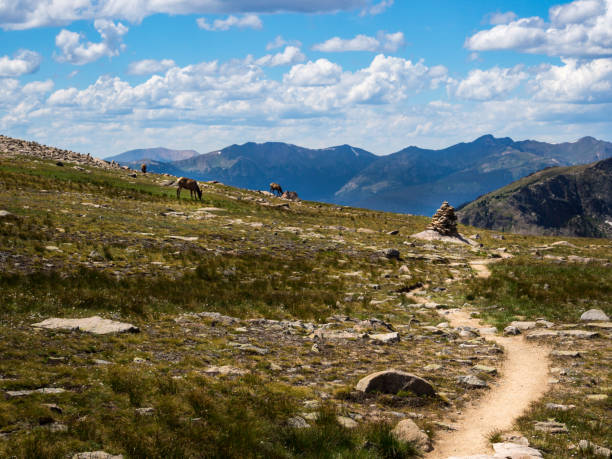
347,422
597,397
523,326
43,390
573,354
385,338
95,324
96,455
511,330
558,407
298,422
4,213
392,381
590,447
249,348
291,195
510,450
432,367
594,315
392,254
485,369
471,382
407,431
551,427
148,411
225,370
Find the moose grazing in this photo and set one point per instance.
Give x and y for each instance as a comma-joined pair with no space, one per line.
188,184
276,188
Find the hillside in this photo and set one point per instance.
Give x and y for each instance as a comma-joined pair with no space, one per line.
159,154
569,201
246,325
314,174
416,180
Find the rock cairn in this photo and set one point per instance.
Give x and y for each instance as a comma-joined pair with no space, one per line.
444,220
11,146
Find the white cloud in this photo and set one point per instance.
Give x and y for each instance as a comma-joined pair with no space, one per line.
38,87
279,42
582,28
377,8
490,84
575,81
149,66
383,42
291,55
319,73
23,62
501,18
26,14
77,53
248,21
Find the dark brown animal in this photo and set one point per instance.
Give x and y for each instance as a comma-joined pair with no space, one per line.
188,184
143,168
276,188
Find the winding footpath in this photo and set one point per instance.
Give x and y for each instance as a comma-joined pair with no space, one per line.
524,379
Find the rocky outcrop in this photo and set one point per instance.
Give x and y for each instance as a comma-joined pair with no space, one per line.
407,431
568,201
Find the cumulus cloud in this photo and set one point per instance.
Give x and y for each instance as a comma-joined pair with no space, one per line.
377,8
490,84
75,52
248,21
291,55
575,81
38,87
279,42
26,14
22,63
318,73
150,66
582,28
382,42
501,18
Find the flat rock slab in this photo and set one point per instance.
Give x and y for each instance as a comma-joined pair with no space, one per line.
43,390
431,235
574,354
551,427
581,334
392,381
471,382
185,238
385,338
523,325
96,325
515,451
602,325
225,370
96,455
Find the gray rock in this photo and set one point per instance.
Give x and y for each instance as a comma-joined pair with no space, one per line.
594,315
551,427
43,390
4,213
95,324
225,370
297,422
96,455
346,422
407,431
392,254
510,450
385,338
485,369
511,330
558,407
587,446
148,411
574,354
524,325
392,381
471,382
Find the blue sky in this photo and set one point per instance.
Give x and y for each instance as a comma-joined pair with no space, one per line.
104,76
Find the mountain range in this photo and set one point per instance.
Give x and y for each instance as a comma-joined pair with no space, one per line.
567,201
412,180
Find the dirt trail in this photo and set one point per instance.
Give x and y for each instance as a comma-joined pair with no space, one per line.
524,379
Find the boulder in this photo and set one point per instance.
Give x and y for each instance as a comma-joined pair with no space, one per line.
590,447
385,338
511,330
392,381
392,254
95,324
346,422
471,382
297,422
594,315
407,431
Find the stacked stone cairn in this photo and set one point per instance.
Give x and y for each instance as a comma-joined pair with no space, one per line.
444,221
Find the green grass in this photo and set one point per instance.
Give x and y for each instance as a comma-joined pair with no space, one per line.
529,288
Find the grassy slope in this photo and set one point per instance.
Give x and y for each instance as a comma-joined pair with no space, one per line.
94,242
